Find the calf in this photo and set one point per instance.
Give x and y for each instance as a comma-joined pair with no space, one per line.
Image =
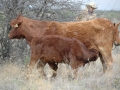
54,49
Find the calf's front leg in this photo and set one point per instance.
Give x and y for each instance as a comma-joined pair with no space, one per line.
40,66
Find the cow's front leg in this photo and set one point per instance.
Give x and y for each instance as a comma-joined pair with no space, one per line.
105,49
107,62
33,60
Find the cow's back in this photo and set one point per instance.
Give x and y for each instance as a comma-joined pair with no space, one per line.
88,32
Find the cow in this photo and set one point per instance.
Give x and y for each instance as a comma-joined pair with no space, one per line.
54,49
100,34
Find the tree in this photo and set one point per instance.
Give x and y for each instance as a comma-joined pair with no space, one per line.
11,8
58,10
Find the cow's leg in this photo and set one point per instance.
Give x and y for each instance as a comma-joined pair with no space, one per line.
40,66
103,63
33,60
105,48
54,66
107,61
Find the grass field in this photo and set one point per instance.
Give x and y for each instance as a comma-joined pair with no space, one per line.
13,77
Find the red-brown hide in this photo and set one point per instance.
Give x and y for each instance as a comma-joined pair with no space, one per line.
54,49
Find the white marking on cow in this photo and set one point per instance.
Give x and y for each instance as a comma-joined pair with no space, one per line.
88,60
16,25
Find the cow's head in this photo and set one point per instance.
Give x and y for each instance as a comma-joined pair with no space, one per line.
116,35
16,31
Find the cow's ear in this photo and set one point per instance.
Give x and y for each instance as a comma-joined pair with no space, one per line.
15,23
118,24
18,23
19,16
114,24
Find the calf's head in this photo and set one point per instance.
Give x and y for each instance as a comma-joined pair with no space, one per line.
95,54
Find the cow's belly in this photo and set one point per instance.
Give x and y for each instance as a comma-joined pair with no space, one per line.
89,44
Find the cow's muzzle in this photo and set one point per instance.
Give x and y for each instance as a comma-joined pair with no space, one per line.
9,36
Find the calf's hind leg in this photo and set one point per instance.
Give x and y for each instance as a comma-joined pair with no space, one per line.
75,64
54,66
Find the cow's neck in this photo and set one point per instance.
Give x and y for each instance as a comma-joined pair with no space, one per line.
34,29
28,35
28,39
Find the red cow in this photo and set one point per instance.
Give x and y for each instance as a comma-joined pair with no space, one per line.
99,34
54,49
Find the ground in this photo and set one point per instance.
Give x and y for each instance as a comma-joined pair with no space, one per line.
12,77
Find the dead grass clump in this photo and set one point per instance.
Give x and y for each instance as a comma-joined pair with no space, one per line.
13,77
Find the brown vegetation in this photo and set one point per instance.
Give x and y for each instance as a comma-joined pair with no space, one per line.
13,77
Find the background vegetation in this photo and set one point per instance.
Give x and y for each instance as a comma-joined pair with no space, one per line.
15,54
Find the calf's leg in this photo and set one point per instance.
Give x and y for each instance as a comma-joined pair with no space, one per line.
40,66
75,64
54,66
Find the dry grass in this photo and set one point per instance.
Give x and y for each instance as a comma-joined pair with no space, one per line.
13,77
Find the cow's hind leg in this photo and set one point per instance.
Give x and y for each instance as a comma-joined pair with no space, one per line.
54,66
